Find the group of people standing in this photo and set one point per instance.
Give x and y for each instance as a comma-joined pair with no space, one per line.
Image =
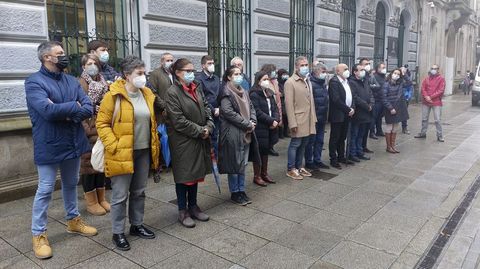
229,119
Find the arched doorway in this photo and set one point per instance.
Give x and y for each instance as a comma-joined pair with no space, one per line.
379,38
347,32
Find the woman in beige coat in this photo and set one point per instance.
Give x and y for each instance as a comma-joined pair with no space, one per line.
301,117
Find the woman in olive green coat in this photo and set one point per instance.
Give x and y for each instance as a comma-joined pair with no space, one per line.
189,129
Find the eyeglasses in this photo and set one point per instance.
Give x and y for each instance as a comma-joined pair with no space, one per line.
187,70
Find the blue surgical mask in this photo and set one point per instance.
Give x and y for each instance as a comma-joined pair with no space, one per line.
304,70
237,80
189,77
167,65
285,77
273,74
322,76
104,57
362,74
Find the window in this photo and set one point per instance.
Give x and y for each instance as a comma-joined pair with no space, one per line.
229,32
301,30
379,39
347,32
70,22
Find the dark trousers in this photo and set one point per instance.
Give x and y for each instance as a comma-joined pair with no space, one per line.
186,193
336,145
376,125
93,181
404,123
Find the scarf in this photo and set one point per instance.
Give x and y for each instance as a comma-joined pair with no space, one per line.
96,89
240,96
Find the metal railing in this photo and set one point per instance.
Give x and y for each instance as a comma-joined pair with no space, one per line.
301,30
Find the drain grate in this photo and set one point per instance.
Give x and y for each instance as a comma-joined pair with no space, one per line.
451,224
322,175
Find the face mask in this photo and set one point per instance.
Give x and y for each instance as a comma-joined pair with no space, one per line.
395,77
237,80
188,77
362,74
211,68
285,77
383,71
433,72
167,65
139,81
62,62
322,76
265,84
346,74
304,70
104,57
273,74
91,70
368,68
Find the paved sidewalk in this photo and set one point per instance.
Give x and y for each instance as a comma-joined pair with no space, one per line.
381,213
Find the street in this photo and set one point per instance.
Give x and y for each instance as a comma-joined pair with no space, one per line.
382,213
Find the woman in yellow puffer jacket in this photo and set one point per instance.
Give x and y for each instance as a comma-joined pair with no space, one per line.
131,148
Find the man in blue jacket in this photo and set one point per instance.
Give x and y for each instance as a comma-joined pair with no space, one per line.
313,151
57,105
211,87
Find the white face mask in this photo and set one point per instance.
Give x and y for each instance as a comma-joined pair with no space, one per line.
395,77
383,71
139,81
265,84
346,74
91,70
167,65
362,74
211,68
368,68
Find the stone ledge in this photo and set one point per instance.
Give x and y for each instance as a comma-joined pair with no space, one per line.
20,121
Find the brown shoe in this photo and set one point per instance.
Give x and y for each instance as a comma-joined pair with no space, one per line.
264,171
388,140
101,199
257,179
78,226
185,219
392,142
41,247
304,173
196,213
93,207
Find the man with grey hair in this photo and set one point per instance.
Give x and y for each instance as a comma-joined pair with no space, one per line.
57,105
238,62
301,116
313,151
160,80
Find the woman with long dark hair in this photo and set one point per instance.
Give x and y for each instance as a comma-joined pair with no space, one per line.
395,107
237,138
189,129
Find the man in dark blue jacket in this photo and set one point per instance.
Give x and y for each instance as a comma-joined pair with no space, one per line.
211,88
57,105
313,151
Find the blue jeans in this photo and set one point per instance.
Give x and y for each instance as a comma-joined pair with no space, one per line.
47,174
356,139
236,182
313,150
296,151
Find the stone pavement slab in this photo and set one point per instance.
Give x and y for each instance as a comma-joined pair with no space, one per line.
275,256
18,262
107,260
333,223
265,225
292,211
192,258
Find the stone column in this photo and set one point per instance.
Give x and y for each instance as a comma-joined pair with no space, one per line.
327,28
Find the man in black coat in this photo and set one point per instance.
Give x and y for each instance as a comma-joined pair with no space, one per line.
365,63
341,110
363,100
377,90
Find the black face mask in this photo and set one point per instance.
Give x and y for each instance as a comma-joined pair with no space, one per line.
62,62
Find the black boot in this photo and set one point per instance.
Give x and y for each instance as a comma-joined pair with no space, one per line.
120,242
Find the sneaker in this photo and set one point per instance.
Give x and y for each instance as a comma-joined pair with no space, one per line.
354,159
238,199
421,136
78,226
440,139
304,172
41,247
294,174
245,197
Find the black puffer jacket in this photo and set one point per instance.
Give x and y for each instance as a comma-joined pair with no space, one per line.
266,137
320,98
363,99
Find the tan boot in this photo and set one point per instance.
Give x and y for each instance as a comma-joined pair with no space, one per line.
77,225
388,140
101,199
393,142
93,207
41,247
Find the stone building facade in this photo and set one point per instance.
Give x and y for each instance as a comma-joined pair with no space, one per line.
413,32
